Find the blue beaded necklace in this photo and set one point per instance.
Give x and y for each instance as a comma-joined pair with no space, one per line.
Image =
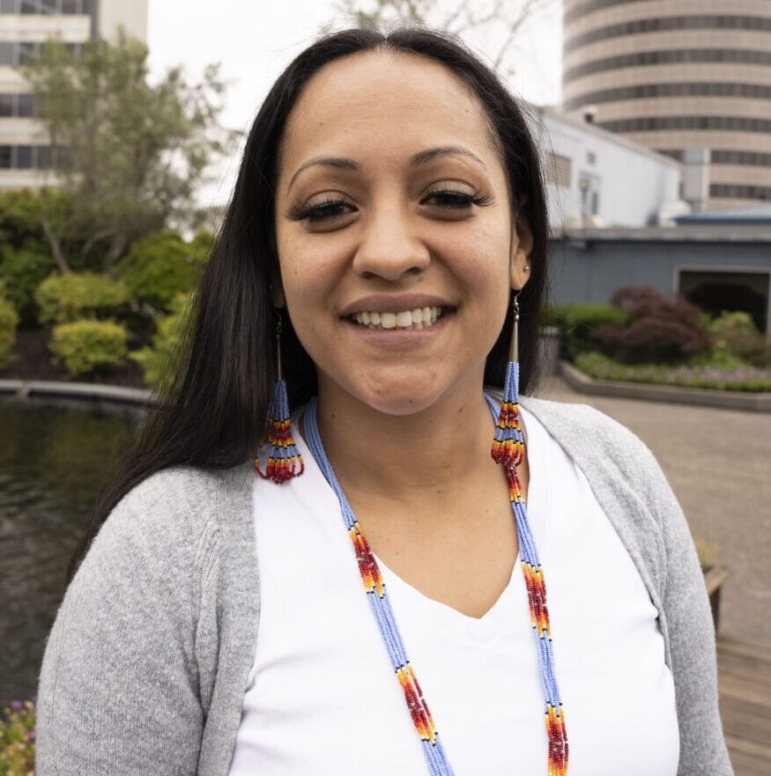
508,449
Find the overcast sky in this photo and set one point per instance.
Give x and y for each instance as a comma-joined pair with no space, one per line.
255,39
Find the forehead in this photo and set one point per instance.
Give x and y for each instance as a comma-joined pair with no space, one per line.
384,101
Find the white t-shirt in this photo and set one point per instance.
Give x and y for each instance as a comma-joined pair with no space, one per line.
322,697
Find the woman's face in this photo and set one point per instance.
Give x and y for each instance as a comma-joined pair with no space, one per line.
396,242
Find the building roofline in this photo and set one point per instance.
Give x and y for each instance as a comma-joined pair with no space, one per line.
554,113
718,233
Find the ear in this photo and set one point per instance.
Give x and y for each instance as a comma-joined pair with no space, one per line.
277,294
521,248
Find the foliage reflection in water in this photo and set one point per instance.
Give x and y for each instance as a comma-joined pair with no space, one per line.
53,462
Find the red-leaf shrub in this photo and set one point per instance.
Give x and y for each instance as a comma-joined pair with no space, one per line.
660,329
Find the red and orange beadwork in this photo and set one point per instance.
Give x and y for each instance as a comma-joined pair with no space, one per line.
284,459
509,450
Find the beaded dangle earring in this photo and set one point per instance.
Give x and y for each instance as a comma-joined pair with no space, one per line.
509,451
509,445
284,459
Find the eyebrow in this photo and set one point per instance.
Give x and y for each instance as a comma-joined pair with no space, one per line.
327,161
422,157
426,156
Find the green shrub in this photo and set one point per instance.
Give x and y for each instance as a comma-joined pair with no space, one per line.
8,322
691,374
23,270
160,359
659,329
17,739
578,323
86,346
735,334
73,297
161,266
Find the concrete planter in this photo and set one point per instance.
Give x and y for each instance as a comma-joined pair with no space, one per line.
714,577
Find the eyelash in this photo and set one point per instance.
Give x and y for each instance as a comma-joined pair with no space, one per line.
453,198
337,206
319,211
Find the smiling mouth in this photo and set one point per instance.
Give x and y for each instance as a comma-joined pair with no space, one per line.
418,318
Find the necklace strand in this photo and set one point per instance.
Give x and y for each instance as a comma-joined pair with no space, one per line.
380,604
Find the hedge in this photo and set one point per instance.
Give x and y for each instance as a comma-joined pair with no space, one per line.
85,346
73,297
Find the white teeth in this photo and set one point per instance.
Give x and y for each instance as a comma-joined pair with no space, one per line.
419,318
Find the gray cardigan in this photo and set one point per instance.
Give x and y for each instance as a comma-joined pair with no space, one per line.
146,667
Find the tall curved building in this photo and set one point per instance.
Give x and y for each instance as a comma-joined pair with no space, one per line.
678,74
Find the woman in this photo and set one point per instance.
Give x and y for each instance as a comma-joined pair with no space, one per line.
389,225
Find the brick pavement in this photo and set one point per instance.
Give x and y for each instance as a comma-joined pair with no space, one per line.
719,465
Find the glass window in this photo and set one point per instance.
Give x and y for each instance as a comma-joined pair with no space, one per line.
5,157
28,52
71,7
23,158
30,6
26,105
6,105
7,51
48,7
9,6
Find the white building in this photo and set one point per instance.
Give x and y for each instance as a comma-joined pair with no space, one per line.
24,25
596,178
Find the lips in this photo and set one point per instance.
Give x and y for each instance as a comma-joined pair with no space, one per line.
415,318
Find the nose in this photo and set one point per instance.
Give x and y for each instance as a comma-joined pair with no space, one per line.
390,245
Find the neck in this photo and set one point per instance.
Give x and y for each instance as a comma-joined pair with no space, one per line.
437,448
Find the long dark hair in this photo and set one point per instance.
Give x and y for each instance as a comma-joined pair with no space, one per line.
213,414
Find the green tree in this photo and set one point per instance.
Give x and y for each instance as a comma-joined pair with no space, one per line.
130,153
159,267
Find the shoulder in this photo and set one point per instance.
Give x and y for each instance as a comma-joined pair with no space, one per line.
177,517
623,473
589,435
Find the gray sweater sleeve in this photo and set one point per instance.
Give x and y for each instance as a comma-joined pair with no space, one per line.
639,502
130,670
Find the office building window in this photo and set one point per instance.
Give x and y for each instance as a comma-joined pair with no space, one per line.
669,57
667,23
46,7
558,170
737,191
21,53
664,123
7,53
23,158
29,157
25,105
22,105
697,89
590,7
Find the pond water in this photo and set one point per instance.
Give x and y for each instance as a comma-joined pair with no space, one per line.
53,462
